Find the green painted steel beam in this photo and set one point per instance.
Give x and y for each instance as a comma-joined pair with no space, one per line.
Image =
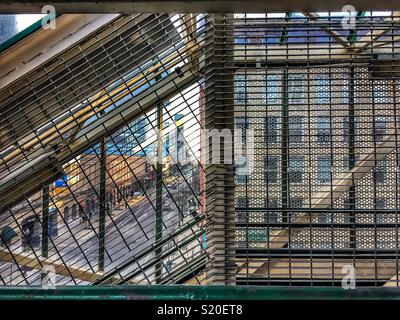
26,32
284,36
352,38
168,292
102,211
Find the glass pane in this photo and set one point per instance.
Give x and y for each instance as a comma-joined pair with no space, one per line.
10,25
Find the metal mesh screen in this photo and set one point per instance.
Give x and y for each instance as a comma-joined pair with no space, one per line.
105,176
322,192
100,166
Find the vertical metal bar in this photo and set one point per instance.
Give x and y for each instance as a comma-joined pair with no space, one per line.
220,183
352,160
102,211
45,221
284,148
159,184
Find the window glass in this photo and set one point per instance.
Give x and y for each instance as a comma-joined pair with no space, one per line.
274,91
322,90
295,202
296,129
271,169
271,216
257,234
381,92
324,170
380,127
241,178
296,169
323,129
380,204
297,88
242,126
271,130
242,202
240,89
380,172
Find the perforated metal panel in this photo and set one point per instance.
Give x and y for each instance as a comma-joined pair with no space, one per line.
319,117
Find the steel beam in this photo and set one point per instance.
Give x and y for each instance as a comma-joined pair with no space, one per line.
220,186
30,53
335,35
38,263
102,211
45,221
191,6
184,292
75,75
372,36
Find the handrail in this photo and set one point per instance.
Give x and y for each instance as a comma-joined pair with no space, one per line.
181,292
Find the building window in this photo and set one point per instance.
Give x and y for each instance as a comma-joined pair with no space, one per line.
325,217
242,125
240,89
273,88
296,88
323,129
348,204
296,169
380,204
242,202
241,216
322,92
380,93
324,166
241,176
271,130
271,169
271,216
380,128
346,129
380,172
345,91
295,203
296,129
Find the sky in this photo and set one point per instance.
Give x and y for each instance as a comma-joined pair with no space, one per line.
25,20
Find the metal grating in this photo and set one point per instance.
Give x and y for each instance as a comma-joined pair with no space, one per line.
107,146
322,192
105,178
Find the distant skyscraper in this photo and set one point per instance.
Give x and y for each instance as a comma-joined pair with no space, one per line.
129,139
176,140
